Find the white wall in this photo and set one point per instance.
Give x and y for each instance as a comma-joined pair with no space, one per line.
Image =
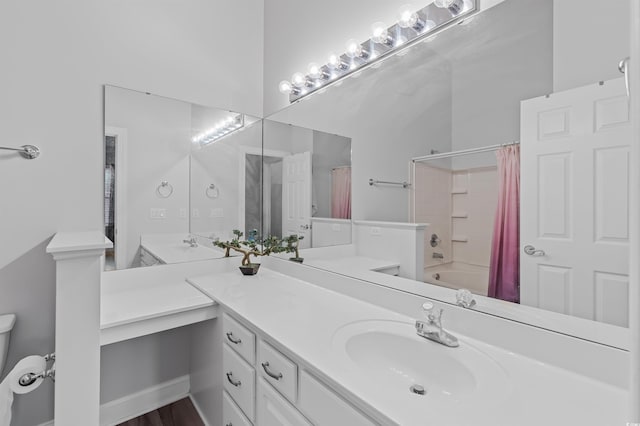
55,58
489,83
219,163
156,150
589,39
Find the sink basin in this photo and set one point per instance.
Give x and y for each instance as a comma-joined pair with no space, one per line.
392,355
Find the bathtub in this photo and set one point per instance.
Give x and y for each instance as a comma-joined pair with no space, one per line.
455,275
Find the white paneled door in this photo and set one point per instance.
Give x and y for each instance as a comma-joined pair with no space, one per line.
574,218
296,197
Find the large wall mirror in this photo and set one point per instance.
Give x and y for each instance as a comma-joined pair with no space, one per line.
307,185
177,176
512,132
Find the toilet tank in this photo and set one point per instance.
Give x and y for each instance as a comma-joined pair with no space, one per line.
6,324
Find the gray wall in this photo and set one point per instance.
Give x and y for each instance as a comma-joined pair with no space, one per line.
56,56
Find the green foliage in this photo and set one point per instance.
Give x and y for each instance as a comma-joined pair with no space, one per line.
258,246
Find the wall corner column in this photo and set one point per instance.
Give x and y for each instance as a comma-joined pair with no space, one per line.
78,259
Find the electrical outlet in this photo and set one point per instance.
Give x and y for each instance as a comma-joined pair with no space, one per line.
195,213
183,213
218,212
376,231
156,213
335,227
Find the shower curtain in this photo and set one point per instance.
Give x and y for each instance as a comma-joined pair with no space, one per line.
504,270
341,193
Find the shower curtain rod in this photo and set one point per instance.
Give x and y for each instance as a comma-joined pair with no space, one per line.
463,152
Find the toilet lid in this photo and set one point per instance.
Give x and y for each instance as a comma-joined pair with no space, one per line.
7,322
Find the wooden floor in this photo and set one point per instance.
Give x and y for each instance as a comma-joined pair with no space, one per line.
180,413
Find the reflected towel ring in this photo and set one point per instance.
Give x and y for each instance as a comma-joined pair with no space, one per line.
165,189
212,191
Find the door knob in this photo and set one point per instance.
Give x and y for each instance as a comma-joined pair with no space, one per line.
532,251
305,227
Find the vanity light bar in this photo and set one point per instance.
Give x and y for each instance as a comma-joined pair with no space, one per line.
220,130
411,27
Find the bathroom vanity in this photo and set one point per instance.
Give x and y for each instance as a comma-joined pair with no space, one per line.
298,345
294,350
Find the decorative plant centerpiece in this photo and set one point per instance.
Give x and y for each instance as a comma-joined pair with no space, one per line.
253,247
292,242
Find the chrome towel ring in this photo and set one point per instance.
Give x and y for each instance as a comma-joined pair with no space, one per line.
165,189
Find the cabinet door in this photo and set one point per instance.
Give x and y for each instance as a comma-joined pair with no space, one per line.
231,414
274,410
324,407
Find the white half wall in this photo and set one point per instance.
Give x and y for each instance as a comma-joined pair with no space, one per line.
399,242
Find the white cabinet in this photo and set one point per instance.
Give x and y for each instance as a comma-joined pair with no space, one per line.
324,408
274,410
284,394
147,259
240,339
231,413
239,381
278,370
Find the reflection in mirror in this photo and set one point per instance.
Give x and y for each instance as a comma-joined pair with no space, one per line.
542,222
307,185
147,151
225,177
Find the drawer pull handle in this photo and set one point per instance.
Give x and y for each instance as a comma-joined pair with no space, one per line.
234,383
232,340
229,424
265,365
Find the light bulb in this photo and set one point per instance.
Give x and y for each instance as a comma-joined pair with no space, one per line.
380,33
454,6
285,87
314,70
298,79
407,17
336,62
354,49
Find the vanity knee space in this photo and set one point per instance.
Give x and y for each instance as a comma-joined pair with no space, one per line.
264,387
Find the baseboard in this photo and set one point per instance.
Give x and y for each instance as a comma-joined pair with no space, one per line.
197,407
131,406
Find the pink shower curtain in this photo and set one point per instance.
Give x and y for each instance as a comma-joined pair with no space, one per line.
341,193
504,271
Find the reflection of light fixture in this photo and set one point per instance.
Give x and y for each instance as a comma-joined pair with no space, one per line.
381,34
412,27
220,130
455,6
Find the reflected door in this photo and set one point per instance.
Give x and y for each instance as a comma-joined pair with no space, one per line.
296,197
575,202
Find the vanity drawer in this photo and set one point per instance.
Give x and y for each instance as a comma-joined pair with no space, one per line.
278,370
239,381
147,259
240,338
273,410
231,414
325,408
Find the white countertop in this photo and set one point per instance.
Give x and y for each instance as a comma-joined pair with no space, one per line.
170,248
352,265
140,301
304,318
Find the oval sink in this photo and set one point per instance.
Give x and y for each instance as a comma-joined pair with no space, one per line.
393,355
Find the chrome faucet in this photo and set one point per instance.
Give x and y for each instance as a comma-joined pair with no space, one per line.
432,328
191,241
